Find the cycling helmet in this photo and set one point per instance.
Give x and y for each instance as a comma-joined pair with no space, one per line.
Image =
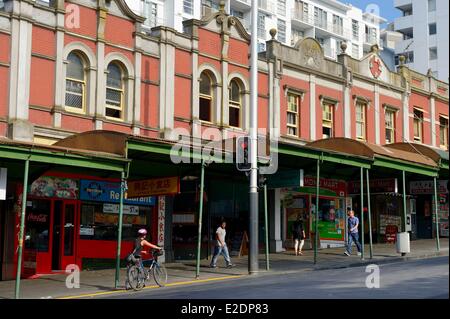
142,232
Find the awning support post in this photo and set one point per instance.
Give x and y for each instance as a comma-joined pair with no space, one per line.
22,228
436,217
369,214
119,235
404,200
362,213
316,219
266,227
200,217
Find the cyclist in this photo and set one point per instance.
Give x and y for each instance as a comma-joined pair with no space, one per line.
140,243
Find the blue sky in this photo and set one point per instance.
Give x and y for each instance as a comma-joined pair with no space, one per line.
386,7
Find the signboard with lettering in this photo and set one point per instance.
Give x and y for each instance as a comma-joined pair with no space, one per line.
289,178
427,187
328,187
114,209
109,192
383,185
50,186
153,187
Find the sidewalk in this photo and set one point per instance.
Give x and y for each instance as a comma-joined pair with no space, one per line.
183,273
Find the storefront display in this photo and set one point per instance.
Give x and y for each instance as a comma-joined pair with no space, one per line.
300,201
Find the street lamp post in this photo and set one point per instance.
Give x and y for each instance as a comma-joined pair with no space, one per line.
253,214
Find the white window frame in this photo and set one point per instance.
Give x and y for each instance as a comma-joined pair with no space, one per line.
361,120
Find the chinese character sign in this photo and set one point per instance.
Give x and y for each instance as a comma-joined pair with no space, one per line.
152,187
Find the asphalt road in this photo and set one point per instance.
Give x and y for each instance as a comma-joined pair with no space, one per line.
425,278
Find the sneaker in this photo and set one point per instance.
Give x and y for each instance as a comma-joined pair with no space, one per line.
230,265
347,253
359,254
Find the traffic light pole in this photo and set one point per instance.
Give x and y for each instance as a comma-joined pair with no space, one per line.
253,214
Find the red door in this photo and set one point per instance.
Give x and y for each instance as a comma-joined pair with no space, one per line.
65,230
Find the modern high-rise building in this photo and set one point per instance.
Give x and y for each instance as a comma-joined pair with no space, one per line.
424,25
329,21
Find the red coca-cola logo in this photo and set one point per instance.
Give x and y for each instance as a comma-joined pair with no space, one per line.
41,218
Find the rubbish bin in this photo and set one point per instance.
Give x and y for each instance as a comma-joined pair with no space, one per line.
403,243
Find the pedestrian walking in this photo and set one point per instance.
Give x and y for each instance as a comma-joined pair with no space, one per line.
221,247
298,234
353,235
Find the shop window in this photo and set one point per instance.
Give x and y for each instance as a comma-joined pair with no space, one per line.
235,104
443,132
418,125
361,121
327,120
37,226
99,221
114,92
293,114
75,98
206,97
389,123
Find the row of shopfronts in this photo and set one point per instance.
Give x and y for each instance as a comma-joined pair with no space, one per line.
73,217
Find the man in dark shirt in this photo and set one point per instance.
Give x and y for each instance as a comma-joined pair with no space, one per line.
298,234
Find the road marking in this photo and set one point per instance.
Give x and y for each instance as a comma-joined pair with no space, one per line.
181,283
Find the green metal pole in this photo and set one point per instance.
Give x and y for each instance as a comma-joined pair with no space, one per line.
316,222
200,217
404,201
266,227
438,245
370,215
119,236
22,227
362,213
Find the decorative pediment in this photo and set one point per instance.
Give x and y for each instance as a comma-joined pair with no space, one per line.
310,53
373,66
124,8
220,21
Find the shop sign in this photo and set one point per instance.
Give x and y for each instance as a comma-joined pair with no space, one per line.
289,178
161,219
338,187
382,185
37,218
109,192
183,218
86,231
153,187
3,174
114,209
49,186
427,187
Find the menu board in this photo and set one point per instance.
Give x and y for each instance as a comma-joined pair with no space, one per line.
443,207
389,220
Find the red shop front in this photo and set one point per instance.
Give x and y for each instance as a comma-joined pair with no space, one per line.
73,220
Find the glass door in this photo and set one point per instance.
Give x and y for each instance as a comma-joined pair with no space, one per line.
69,227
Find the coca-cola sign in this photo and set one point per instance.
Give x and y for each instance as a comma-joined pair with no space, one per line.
37,218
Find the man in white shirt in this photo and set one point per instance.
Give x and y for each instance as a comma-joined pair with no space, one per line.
221,247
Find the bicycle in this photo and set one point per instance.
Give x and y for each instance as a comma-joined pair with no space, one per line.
137,274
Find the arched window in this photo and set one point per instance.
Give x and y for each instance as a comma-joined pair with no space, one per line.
75,82
235,104
114,92
206,97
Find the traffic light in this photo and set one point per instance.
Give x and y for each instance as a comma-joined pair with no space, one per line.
243,154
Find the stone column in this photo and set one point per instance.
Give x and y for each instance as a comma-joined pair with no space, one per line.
59,68
19,87
377,113
276,242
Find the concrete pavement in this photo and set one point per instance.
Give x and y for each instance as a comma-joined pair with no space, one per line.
183,273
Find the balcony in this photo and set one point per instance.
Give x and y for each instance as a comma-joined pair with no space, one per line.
301,20
241,5
266,6
402,3
152,22
403,23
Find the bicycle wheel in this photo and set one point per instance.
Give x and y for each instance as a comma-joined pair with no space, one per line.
135,277
160,274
